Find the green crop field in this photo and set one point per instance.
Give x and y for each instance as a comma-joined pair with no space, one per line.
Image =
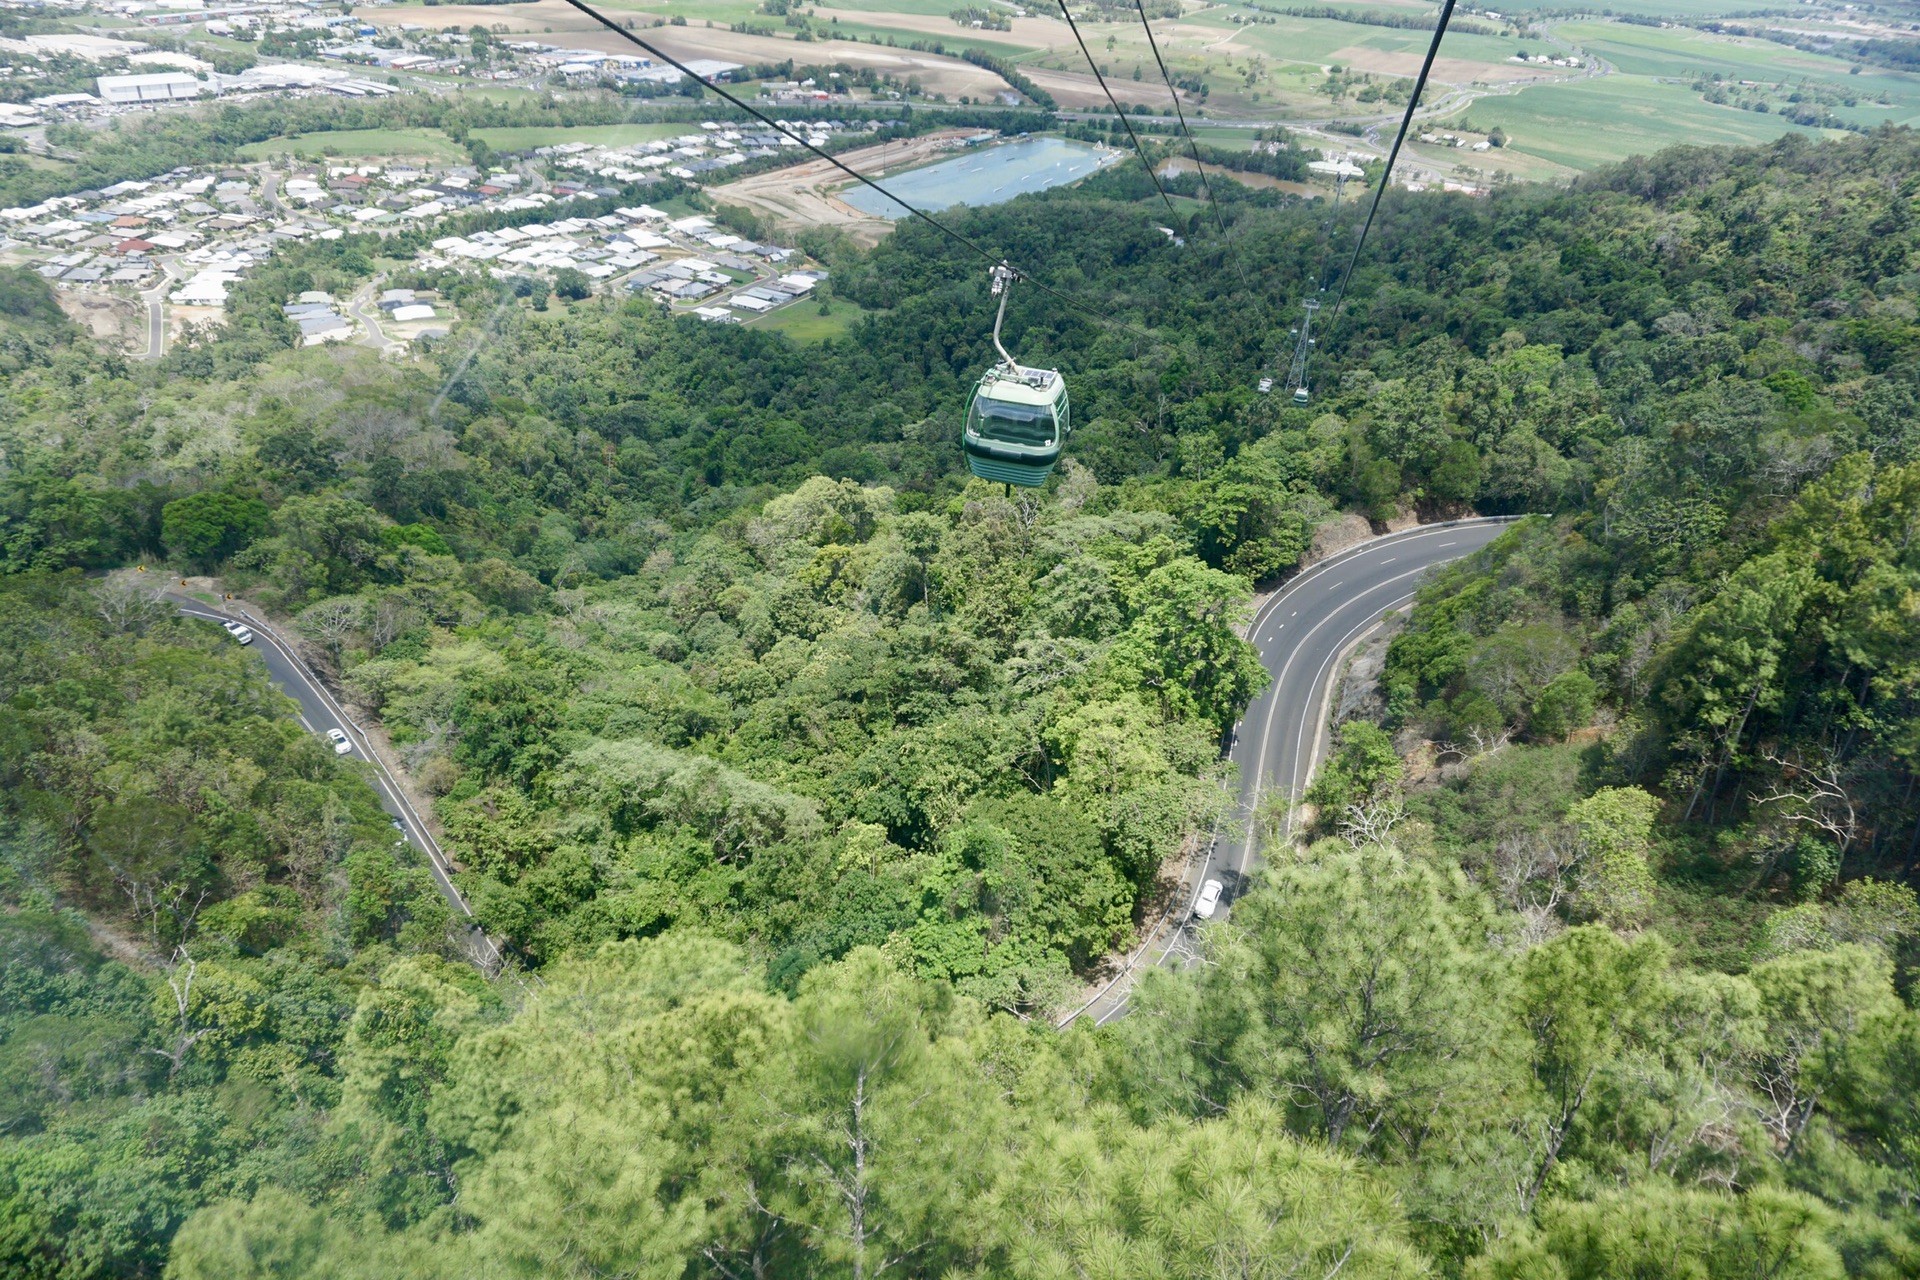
1594,122
1671,10
523,138
1680,53
355,144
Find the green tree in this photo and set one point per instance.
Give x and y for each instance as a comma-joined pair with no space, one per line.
1234,1196
1615,829
1727,666
1363,767
872,1138
1816,1004
1872,1096
1659,1230
1368,988
603,1121
1584,999
1564,705
275,1236
207,527
1355,993
1184,649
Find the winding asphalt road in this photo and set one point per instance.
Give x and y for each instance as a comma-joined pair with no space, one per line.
360,308
1301,633
319,712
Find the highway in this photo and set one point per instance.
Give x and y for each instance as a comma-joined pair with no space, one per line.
319,712
1301,632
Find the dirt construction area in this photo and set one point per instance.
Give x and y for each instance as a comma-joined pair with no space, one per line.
803,196
117,322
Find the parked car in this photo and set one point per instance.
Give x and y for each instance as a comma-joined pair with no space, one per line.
1209,900
341,743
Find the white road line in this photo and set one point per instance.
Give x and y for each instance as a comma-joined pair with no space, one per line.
1315,711
1266,730
1389,560
305,723
1272,696
1384,541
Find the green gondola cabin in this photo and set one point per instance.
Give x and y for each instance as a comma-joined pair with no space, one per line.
1017,423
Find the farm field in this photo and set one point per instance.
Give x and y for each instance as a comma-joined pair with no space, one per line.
985,176
1598,122
1685,54
1665,9
556,23
1257,63
397,144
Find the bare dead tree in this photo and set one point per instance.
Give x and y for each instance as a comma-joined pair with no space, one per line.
1487,742
126,604
1371,821
149,874
1785,1101
435,735
1185,946
1815,795
1538,924
1530,869
329,623
389,619
186,1035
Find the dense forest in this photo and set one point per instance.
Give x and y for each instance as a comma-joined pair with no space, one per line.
806,783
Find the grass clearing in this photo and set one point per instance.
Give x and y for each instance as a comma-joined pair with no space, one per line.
397,144
802,321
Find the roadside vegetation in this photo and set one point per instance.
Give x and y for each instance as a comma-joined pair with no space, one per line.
807,783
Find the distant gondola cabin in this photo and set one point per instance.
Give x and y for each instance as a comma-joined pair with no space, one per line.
1017,423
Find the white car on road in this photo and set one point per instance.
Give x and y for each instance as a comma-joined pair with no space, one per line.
341,743
238,632
1209,900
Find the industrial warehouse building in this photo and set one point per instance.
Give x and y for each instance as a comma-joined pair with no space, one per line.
161,86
